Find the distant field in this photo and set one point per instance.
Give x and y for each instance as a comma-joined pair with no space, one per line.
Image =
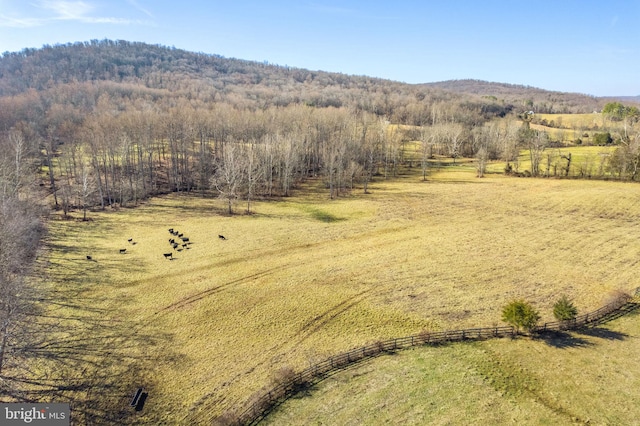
585,161
570,127
574,121
307,277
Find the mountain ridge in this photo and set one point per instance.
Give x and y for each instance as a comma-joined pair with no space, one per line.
176,70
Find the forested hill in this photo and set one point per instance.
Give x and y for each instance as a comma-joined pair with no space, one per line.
538,99
153,70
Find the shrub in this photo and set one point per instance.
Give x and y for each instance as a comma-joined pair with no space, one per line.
618,297
508,169
564,309
284,376
520,314
602,138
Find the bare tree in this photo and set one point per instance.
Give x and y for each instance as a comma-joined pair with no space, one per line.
227,178
481,164
86,187
454,137
252,172
427,141
537,144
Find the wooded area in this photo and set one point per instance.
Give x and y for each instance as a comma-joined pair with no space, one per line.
111,122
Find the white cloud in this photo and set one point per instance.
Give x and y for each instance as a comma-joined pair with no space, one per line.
67,10
137,5
48,11
16,22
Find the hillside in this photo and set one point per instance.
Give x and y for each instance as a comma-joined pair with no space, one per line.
216,78
210,78
539,100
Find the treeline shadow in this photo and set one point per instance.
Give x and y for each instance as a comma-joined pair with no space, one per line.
75,345
572,339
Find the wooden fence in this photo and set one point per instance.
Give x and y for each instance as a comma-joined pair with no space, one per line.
293,382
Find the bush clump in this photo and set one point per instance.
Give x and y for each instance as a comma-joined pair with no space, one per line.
521,315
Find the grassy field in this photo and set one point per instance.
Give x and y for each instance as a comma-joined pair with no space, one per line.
307,277
588,377
585,160
571,127
574,121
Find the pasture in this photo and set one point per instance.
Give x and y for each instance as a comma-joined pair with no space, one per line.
574,121
306,277
585,161
569,128
587,377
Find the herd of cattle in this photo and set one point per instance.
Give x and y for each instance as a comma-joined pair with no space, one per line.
178,246
182,243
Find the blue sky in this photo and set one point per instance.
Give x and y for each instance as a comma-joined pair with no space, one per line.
585,46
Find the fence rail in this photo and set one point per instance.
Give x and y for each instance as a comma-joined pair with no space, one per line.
260,406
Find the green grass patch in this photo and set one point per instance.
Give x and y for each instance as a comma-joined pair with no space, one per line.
586,377
322,215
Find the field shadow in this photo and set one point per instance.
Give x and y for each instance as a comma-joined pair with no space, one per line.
87,358
78,346
565,339
603,333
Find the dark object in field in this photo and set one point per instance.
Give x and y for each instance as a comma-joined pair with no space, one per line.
89,258
136,397
171,231
171,241
180,235
221,237
140,404
168,256
143,398
185,239
174,245
130,239
122,251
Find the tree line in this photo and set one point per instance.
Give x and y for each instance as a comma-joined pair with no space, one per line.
111,123
21,232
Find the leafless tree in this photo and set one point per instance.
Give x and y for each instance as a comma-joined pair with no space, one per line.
427,137
228,176
481,161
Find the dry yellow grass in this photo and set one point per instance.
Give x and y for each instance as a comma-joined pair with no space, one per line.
307,277
571,127
586,161
574,121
